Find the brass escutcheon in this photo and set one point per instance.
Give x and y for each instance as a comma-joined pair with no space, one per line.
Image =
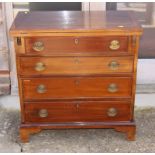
76,41
114,45
77,82
38,46
77,61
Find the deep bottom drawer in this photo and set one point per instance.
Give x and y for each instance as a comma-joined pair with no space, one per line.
79,111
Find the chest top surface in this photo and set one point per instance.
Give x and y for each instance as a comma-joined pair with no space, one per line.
74,21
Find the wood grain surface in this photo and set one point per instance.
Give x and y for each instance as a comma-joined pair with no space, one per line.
95,111
76,87
75,44
29,66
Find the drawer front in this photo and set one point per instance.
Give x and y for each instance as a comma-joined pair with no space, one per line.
58,45
76,87
77,111
74,65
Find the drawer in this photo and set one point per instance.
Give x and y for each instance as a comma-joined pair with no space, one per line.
76,87
77,111
58,45
74,65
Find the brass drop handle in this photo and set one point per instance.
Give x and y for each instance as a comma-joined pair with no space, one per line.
38,46
43,113
112,112
114,45
113,65
112,88
39,66
41,89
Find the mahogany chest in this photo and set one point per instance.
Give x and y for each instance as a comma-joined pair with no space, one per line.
76,69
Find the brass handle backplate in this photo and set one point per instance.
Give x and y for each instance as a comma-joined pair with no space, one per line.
114,45
38,46
43,113
41,89
112,88
113,65
39,66
112,112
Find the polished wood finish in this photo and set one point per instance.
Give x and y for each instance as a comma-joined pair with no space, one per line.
75,44
76,70
74,65
129,128
26,132
34,23
76,87
77,111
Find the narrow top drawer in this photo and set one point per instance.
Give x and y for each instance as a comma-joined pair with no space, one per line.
84,44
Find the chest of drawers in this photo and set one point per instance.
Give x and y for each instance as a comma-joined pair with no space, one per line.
76,70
